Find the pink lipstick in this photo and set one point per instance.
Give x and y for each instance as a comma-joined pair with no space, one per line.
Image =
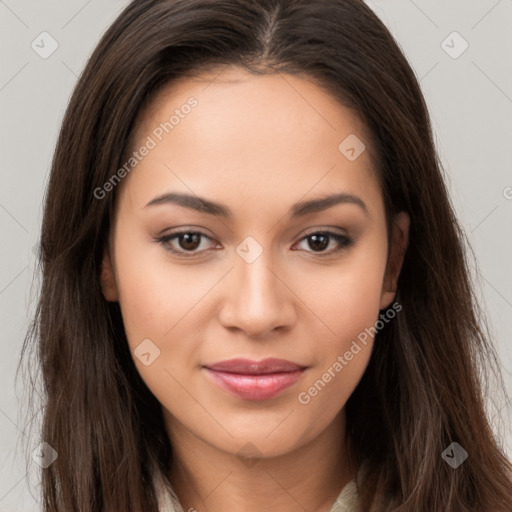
255,380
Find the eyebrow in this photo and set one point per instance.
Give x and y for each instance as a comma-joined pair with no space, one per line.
300,209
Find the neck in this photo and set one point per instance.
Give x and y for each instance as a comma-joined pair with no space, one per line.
309,478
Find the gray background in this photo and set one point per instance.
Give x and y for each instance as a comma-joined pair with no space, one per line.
470,100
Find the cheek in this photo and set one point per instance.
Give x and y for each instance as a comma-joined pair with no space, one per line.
157,304
340,363
348,303
154,294
347,298
165,303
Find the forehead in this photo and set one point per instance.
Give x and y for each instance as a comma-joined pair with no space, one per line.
238,98
273,133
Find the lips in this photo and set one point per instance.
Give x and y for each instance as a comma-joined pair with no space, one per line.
248,367
255,380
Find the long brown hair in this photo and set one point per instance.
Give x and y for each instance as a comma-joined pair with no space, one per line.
422,389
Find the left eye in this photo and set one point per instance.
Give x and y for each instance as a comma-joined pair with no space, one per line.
320,240
189,242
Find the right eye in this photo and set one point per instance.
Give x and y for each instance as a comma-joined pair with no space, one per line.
184,243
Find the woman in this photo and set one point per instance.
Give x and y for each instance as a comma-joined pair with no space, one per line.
255,294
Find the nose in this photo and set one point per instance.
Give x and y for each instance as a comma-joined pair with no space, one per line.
257,299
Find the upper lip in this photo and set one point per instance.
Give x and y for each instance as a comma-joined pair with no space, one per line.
246,366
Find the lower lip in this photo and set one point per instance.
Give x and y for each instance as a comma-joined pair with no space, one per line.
255,387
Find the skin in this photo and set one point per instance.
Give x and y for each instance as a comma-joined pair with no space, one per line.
257,144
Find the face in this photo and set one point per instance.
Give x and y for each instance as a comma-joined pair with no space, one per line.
248,297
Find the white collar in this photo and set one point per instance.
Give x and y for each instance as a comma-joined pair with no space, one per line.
347,500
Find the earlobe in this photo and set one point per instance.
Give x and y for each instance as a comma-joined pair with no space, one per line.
400,241
107,279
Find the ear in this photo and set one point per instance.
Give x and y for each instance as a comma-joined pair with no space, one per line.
107,278
399,242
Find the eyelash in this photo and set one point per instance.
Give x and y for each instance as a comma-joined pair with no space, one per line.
344,242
